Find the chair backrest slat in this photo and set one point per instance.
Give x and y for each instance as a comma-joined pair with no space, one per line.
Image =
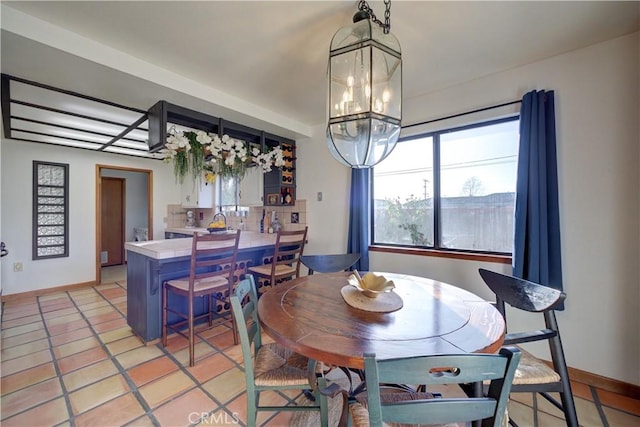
288,249
442,369
213,255
439,411
330,263
522,294
247,319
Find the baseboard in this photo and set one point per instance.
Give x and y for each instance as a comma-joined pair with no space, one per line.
40,292
604,383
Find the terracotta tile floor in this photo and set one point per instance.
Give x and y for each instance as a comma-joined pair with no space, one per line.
70,359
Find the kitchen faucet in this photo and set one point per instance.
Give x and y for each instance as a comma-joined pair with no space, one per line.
224,218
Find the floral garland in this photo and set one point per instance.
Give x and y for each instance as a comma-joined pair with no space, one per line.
202,153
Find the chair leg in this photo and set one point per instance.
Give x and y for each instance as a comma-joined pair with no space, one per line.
164,315
234,329
191,334
560,366
252,405
568,405
210,309
321,399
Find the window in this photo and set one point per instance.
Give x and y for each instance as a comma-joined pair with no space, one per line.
50,210
228,193
450,190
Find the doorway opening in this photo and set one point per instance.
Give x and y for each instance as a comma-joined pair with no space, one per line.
123,213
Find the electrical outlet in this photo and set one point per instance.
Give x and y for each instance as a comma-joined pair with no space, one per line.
319,196
17,266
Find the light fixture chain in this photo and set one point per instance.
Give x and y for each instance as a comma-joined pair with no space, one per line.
387,16
364,6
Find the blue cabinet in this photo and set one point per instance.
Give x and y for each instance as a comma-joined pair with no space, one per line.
145,276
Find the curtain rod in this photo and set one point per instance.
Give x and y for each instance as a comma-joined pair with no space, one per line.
479,110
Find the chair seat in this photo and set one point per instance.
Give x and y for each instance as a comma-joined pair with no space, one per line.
199,285
360,414
532,370
278,366
281,270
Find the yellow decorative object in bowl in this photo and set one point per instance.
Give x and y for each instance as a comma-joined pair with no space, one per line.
371,285
216,226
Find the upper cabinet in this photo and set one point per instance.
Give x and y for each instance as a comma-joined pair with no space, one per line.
197,195
251,188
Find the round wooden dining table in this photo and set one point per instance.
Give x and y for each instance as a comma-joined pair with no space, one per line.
310,316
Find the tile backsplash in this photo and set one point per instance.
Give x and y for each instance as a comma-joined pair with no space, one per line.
287,217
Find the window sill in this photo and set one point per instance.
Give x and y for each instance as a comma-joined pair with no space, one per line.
502,259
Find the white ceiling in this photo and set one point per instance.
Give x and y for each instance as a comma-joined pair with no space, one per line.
264,63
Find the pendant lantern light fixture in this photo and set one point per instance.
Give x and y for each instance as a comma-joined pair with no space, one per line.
365,90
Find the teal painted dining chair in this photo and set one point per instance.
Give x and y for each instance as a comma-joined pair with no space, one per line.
271,366
387,404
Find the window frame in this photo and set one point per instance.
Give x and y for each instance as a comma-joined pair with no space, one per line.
36,211
437,249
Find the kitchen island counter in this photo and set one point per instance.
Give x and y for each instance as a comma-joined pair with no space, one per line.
171,248
151,263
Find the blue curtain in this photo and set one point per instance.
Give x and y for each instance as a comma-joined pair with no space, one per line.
358,240
536,253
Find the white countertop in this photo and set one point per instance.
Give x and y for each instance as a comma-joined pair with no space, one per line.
173,248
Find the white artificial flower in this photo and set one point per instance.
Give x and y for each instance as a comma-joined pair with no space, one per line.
203,137
216,147
223,149
277,157
166,154
183,142
242,154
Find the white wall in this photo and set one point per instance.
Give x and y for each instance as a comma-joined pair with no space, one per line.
597,115
317,171
16,202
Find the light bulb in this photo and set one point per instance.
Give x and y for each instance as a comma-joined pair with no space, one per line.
378,107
